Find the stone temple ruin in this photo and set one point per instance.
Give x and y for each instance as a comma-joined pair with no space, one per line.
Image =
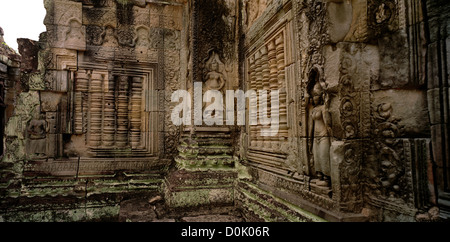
363,135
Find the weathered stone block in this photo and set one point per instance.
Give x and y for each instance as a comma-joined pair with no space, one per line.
65,11
340,19
29,50
193,189
50,101
394,62
99,16
413,120
36,82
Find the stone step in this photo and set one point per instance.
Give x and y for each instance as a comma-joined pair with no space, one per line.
155,210
137,210
213,218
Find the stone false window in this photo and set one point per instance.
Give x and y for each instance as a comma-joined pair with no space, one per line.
267,72
113,110
269,67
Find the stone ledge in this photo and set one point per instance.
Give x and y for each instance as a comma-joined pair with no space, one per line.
263,205
64,200
310,208
188,189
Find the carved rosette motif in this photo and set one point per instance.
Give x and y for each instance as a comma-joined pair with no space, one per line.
382,17
349,108
352,102
393,179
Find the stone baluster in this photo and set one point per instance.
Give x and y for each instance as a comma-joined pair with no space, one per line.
273,81
258,87
95,110
81,89
253,101
122,111
281,64
109,117
136,111
266,85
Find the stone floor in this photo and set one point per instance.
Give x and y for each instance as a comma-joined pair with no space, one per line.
154,210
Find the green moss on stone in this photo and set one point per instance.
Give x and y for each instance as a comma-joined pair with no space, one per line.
200,197
189,198
102,213
123,2
64,215
242,171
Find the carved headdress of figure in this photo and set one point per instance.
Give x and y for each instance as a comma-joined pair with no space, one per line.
109,36
316,82
142,38
214,63
74,31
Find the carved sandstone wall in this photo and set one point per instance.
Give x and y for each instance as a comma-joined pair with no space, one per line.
352,81
93,113
363,110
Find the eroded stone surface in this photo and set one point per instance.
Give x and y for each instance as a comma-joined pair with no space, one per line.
363,112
